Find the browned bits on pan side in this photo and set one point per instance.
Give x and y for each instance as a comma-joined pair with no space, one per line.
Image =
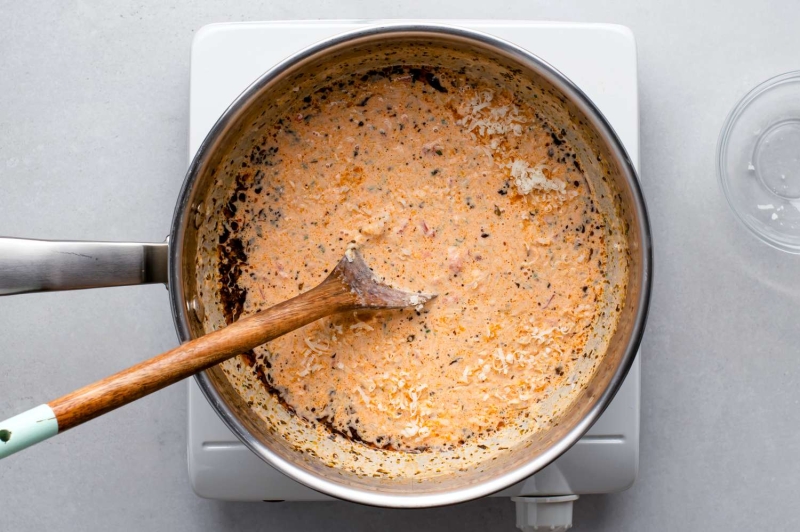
231,260
270,389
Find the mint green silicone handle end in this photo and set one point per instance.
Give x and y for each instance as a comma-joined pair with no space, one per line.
26,429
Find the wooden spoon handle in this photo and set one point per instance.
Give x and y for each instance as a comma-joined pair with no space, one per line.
350,286
151,375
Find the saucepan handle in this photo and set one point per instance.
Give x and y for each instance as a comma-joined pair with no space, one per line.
40,265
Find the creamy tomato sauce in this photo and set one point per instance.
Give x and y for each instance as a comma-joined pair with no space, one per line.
446,187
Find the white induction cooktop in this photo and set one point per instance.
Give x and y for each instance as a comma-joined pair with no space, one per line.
599,58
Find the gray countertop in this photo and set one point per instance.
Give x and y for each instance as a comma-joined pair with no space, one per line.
93,144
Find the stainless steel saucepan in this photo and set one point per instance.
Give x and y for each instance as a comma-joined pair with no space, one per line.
35,265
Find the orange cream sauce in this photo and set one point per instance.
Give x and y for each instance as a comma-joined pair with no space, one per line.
445,187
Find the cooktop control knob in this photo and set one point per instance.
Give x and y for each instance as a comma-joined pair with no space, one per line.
553,514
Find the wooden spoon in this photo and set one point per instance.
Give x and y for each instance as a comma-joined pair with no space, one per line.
350,286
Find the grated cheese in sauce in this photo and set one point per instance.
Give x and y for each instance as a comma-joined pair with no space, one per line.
529,178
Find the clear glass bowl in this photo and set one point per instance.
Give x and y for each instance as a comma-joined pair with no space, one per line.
758,161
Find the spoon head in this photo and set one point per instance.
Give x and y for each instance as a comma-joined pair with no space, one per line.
370,292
